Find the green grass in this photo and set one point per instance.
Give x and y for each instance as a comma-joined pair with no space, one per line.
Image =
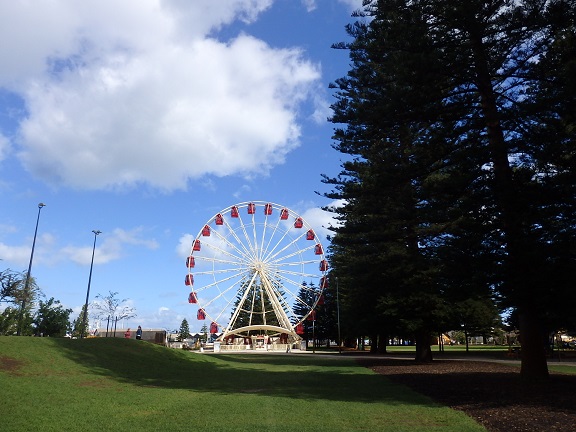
565,369
451,349
49,384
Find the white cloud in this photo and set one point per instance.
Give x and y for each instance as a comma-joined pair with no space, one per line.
242,191
20,255
208,15
162,317
310,5
108,248
185,244
321,220
5,228
124,94
4,146
353,4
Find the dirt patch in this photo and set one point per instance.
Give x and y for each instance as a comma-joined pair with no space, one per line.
10,365
491,393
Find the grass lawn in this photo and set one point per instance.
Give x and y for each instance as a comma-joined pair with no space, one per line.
49,384
487,350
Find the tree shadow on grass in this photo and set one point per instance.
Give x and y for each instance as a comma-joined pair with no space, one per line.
480,385
301,377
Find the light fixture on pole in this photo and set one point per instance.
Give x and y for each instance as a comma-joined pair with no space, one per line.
25,292
84,323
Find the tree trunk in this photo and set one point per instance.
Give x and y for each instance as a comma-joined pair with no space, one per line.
382,343
423,348
374,343
533,353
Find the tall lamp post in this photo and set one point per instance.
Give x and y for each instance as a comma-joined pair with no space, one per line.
84,323
25,293
338,317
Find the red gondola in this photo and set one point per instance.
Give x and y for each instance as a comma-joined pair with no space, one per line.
323,265
320,300
189,280
312,316
318,249
190,262
206,231
201,315
196,245
213,328
268,209
300,329
298,223
323,282
192,298
234,212
251,208
219,219
284,214
310,235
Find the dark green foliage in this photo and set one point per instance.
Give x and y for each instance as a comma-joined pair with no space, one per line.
10,285
12,292
51,319
9,322
79,327
320,323
460,184
184,331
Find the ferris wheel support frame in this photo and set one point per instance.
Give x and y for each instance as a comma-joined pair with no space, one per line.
285,325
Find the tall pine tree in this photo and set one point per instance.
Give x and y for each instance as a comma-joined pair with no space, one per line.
446,107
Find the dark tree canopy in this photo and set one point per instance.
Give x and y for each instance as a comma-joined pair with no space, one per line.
458,122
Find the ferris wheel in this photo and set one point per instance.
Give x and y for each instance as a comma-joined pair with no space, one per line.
256,267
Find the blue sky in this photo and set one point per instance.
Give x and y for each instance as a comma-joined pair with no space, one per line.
145,119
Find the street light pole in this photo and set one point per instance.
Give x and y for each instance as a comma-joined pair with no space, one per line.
313,332
338,317
84,323
25,292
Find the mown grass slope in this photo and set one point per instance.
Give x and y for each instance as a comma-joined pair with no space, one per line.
100,384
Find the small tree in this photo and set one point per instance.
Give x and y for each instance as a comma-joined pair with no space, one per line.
111,306
79,327
10,283
204,333
184,331
12,291
9,321
52,319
